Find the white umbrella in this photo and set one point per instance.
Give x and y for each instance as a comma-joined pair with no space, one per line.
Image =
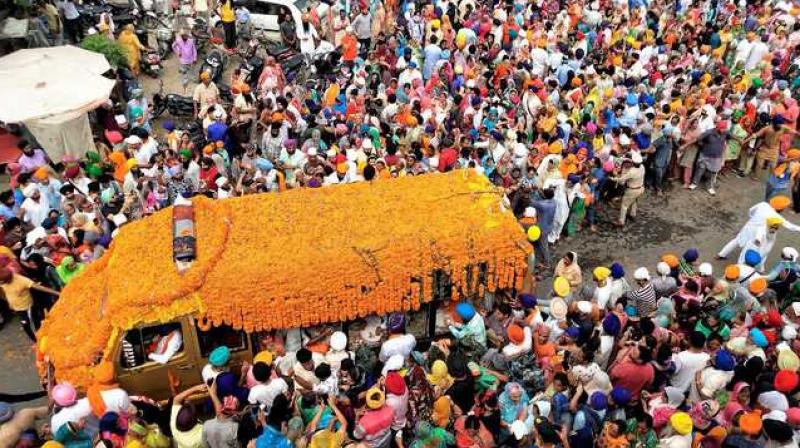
46,82
57,57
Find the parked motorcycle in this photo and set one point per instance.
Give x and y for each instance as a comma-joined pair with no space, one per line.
164,40
153,21
252,64
121,14
300,66
151,64
176,105
214,64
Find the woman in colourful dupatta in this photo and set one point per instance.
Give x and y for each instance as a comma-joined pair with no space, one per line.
420,396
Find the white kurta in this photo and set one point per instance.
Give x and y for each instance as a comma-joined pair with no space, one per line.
562,207
762,243
759,214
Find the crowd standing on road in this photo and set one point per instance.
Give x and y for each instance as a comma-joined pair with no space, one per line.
568,106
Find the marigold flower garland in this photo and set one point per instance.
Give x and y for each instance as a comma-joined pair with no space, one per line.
292,259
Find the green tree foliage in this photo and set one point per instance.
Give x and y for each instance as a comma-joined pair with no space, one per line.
108,48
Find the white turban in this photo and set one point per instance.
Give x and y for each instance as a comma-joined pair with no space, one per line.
641,274
395,362
774,401
29,190
338,341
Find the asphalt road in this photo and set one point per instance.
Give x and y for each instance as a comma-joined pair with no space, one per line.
673,223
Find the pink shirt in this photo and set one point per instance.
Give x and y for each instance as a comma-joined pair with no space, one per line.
30,163
632,376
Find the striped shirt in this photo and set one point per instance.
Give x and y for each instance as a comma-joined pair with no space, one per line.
644,299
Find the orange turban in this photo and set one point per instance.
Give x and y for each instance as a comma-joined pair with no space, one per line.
732,272
750,423
671,260
780,202
41,173
516,334
758,285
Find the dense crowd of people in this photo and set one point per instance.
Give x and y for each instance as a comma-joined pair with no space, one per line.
569,106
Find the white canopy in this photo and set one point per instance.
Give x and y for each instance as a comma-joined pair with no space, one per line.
57,57
46,82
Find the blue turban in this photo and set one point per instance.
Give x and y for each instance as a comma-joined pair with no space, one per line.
6,412
573,332
527,300
631,99
598,401
724,361
752,258
574,179
220,356
621,395
264,165
691,255
397,323
758,338
168,125
104,240
611,324
465,311
778,120
109,422
630,310
617,271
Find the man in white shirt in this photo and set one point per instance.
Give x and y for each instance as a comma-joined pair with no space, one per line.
35,206
743,48
398,343
268,388
757,53
77,411
148,148
689,362
72,21
304,376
